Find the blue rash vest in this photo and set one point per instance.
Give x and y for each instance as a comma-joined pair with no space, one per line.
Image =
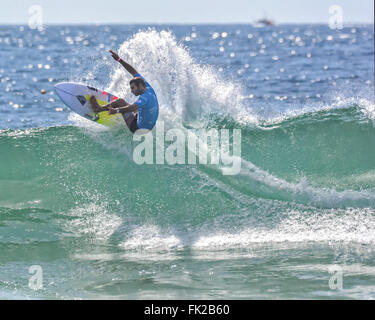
148,107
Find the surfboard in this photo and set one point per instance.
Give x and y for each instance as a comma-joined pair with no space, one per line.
76,96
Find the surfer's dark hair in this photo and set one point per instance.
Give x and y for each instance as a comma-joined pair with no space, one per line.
137,81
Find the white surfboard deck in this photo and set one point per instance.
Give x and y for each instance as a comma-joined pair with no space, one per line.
76,96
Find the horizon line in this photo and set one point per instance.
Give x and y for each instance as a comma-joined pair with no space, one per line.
177,23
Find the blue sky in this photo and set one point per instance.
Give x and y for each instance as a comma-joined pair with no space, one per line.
188,11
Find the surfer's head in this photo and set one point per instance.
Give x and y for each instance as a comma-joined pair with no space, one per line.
137,86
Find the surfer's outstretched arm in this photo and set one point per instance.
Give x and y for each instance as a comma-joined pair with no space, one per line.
127,66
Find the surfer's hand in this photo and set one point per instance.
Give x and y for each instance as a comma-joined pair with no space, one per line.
112,110
114,55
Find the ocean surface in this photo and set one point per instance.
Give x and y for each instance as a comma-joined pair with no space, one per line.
79,219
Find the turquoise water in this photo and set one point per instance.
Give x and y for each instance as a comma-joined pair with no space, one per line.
300,211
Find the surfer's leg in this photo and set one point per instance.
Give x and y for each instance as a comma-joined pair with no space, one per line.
128,119
131,122
94,105
133,127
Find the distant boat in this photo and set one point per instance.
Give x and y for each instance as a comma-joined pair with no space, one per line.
265,22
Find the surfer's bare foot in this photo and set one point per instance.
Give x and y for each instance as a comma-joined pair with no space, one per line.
94,104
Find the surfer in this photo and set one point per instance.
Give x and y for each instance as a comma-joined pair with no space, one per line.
145,110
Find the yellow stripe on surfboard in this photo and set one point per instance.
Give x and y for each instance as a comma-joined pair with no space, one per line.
104,117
